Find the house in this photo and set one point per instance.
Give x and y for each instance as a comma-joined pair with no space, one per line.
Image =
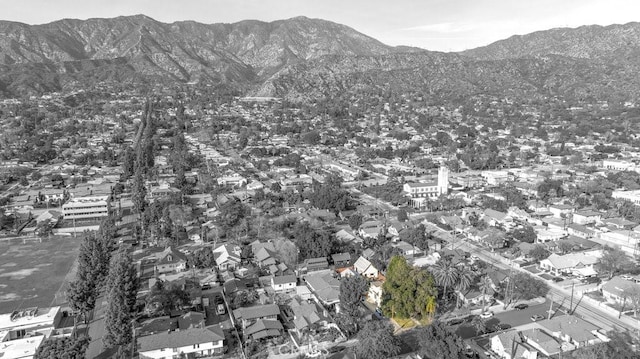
573,263
363,267
407,250
474,296
233,181
227,257
341,259
371,229
543,342
561,210
495,218
249,315
255,185
264,328
491,237
374,295
511,345
616,289
344,236
315,264
284,283
497,278
195,342
325,287
306,315
619,223
587,217
264,257
170,260
580,230
544,235
573,330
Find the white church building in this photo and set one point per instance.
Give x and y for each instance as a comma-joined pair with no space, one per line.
420,192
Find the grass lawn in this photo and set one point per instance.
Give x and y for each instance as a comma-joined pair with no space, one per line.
32,274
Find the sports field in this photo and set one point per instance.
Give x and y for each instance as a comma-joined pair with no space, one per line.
35,274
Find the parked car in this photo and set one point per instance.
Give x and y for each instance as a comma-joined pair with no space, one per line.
626,276
521,306
456,321
501,326
220,309
557,279
592,280
487,314
536,317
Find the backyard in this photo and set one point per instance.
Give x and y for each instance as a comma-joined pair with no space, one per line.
33,273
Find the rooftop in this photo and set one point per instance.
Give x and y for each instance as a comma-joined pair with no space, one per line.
29,318
181,338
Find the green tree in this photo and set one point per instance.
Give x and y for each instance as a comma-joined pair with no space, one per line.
538,252
479,324
408,291
525,287
445,273
93,264
402,215
524,234
436,341
464,278
614,260
355,221
138,191
376,341
231,214
351,291
68,348
122,287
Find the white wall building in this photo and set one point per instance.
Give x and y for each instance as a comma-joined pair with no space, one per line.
420,192
93,207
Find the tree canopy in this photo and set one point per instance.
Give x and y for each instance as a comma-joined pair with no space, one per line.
376,341
408,291
436,341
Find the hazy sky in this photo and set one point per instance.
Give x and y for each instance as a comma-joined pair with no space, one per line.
444,25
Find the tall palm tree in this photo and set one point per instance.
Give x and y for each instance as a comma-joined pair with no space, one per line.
446,274
463,281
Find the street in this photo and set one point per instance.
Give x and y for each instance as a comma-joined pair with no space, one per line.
558,294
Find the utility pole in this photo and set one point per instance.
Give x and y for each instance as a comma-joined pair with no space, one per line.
571,302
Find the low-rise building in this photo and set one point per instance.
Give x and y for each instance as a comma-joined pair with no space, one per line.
284,283
617,289
195,342
572,263
86,208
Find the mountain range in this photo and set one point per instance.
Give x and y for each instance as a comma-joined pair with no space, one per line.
305,59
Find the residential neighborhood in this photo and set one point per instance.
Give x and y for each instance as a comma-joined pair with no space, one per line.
245,228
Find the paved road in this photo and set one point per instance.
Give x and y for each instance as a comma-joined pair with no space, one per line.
520,317
584,309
